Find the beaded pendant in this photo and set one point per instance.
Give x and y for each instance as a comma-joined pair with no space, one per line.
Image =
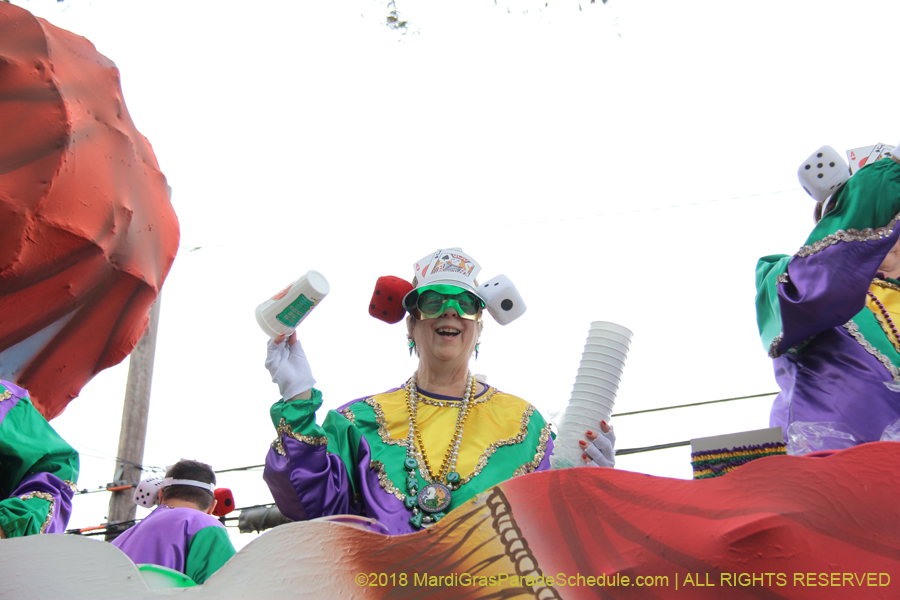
429,503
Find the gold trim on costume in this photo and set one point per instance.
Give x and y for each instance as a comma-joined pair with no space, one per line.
489,451
6,395
854,331
71,485
529,467
886,284
382,424
385,482
278,447
43,496
850,235
487,395
773,347
285,429
348,414
783,278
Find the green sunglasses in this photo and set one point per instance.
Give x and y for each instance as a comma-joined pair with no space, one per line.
433,300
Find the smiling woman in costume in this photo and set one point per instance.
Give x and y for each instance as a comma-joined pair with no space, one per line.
409,455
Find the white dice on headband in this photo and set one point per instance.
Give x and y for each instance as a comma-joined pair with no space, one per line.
502,299
823,173
146,493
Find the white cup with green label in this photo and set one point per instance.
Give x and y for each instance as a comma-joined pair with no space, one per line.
281,313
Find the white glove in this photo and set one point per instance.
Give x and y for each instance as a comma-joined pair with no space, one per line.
289,368
601,451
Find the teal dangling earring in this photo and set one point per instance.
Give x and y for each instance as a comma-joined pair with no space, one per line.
412,345
476,350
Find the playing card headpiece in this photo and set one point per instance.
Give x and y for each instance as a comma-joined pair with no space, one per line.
866,155
449,277
146,493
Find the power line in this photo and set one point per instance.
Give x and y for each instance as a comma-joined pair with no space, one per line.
126,485
651,448
240,469
123,525
650,410
621,452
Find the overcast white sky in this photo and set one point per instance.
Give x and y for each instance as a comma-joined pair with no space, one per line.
628,162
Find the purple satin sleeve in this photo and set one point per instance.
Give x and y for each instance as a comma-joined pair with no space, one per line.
835,380
828,288
545,462
7,405
307,482
46,483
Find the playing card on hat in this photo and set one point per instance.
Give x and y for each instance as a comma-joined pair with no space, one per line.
450,266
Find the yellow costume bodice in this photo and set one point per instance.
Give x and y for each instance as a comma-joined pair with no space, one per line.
495,419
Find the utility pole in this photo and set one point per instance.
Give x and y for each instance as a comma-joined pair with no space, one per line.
134,425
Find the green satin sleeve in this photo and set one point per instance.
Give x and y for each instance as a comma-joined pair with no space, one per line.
343,440
300,415
342,436
768,310
29,445
208,550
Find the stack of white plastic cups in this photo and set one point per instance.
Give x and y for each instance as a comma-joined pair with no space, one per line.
594,393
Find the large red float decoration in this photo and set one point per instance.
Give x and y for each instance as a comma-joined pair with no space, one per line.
87,232
775,528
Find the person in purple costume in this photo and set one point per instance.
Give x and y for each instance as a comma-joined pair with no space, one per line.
181,533
828,314
408,456
38,469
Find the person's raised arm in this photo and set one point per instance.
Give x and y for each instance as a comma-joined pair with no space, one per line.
824,284
305,466
289,367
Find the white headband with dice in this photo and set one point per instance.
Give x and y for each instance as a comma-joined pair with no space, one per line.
146,493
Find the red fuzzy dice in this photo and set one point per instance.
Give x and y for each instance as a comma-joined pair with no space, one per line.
387,299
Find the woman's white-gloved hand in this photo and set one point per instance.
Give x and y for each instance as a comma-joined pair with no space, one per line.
288,366
600,449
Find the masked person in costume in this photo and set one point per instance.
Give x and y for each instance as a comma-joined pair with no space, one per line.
408,456
180,533
38,469
828,314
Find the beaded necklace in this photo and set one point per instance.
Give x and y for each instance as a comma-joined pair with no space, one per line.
435,497
888,321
